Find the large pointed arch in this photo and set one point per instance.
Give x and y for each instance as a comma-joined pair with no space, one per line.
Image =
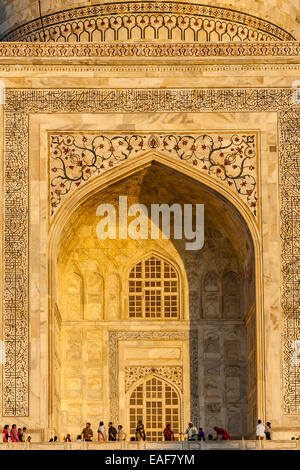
126,170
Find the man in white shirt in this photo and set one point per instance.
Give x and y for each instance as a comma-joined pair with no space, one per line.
121,434
191,432
260,430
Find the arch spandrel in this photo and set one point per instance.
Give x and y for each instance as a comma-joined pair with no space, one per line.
226,162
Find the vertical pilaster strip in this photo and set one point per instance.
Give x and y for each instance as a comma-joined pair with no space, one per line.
15,251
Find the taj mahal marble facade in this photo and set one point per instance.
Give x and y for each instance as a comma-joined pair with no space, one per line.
174,102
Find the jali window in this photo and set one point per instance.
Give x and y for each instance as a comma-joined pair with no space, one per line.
155,403
153,290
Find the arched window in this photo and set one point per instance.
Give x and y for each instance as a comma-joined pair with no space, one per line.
153,290
156,403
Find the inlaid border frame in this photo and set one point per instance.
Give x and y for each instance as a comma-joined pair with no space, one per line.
21,102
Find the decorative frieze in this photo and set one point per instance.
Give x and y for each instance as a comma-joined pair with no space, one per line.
139,20
141,50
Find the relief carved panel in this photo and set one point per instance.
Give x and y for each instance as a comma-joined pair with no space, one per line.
171,373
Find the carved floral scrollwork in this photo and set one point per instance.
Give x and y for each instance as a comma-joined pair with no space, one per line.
231,158
171,373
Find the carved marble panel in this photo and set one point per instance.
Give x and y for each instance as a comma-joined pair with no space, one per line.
211,343
171,373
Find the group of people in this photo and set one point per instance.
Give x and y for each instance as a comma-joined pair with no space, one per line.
15,434
112,434
194,434
263,431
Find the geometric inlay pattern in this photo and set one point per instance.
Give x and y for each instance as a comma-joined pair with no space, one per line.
76,158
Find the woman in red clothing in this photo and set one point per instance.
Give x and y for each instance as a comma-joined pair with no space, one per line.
14,434
6,434
168,433
222,432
